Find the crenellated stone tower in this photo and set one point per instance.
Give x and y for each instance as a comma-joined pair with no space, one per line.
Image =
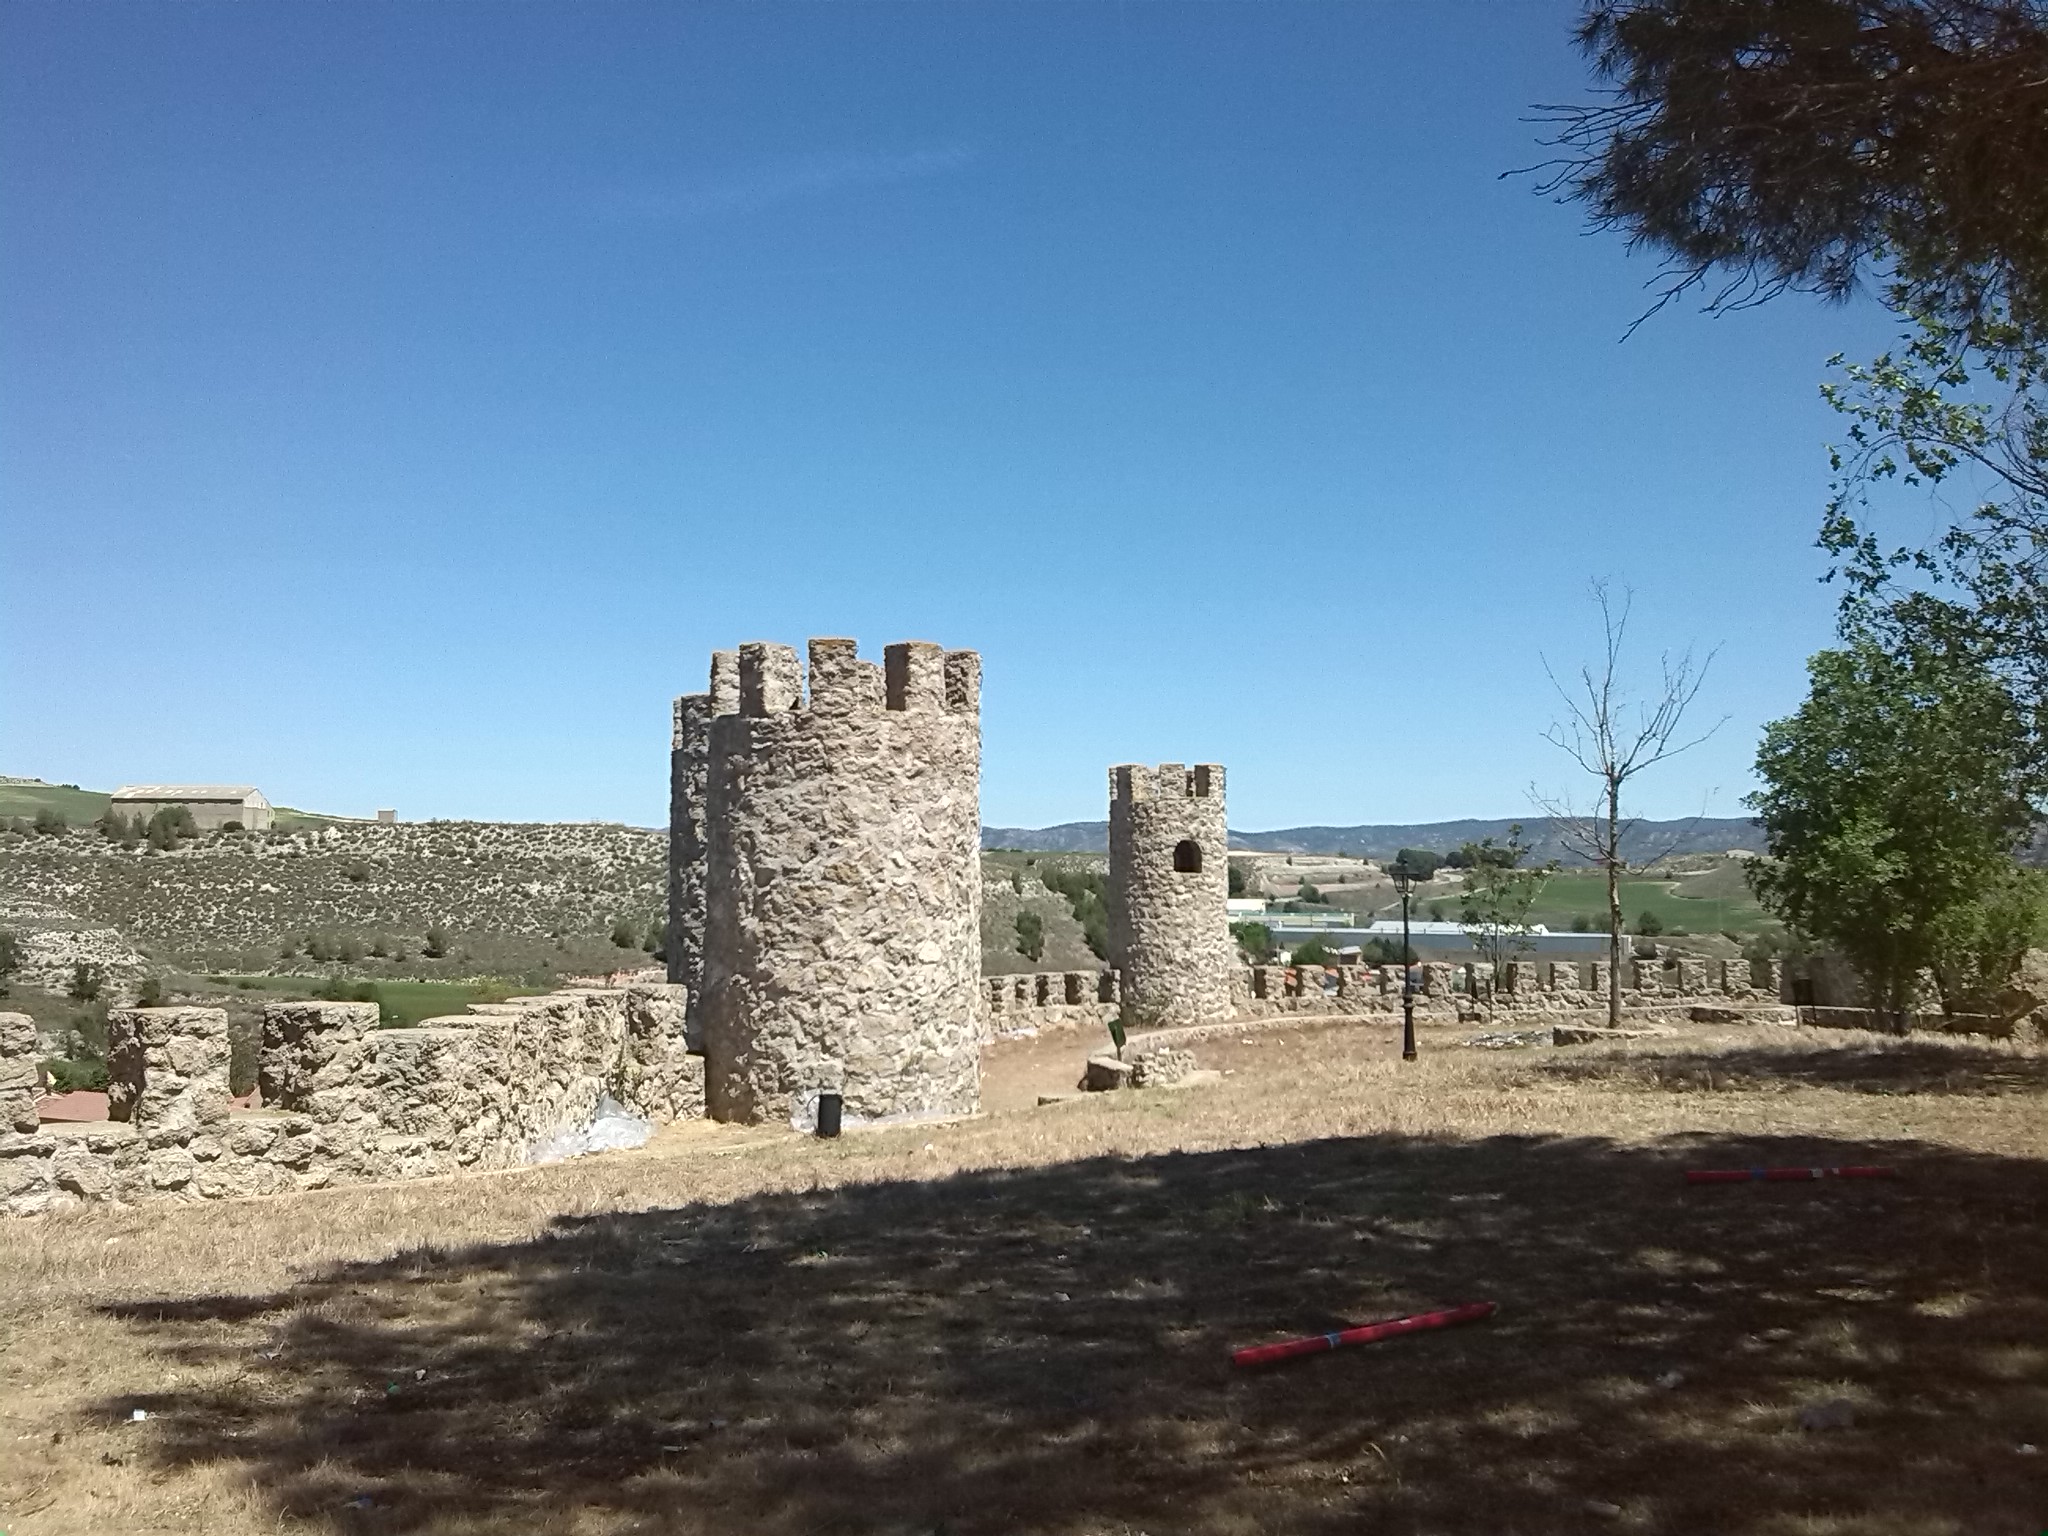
825,878
1169,881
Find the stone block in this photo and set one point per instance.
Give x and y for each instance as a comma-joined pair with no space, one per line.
19,1091
167,1069
1105,1072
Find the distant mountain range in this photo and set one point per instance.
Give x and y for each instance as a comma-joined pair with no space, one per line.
1644,841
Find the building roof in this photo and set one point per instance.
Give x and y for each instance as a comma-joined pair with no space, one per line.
239,793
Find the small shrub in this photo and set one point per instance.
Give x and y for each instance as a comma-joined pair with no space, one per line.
1030,935
1310,894
76,1075
1313,952
10,958
232,826
357,871
49,823
1649,925
86,981
437,944
1017,881
1254,941
624,935
339,989
150,994
348,951
1436,911
656,942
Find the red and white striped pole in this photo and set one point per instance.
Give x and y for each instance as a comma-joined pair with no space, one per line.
1366,1333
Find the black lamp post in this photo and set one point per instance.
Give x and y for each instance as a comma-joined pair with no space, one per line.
1403,878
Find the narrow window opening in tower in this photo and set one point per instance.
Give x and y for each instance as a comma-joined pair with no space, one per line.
1187,857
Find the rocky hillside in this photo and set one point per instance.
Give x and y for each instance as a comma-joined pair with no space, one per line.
241,899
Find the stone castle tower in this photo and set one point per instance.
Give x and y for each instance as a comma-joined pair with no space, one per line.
1169,879
825,879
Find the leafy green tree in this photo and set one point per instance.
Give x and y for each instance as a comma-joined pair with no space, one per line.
1378,951
86,981
1893,801
1310,894
1649,924
1953,403
1030,935
1313,951
1499,896
1420,863
1254,942
1236,876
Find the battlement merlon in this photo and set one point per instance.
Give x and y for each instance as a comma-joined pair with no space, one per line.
771,682
1132,782
963,683
1129,783
725,682
688,710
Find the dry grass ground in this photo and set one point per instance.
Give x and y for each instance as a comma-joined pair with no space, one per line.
1020,1323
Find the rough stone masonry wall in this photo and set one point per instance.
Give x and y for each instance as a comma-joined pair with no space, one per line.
842,929
344,1100
689,770
1169,932
1533,987
1041,1000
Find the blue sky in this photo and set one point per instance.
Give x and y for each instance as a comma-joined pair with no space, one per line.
397,403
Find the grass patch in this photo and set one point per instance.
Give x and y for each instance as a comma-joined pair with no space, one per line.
77,806
1709,903
1020,1323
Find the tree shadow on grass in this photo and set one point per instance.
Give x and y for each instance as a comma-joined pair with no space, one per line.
1046,1350
1905,1067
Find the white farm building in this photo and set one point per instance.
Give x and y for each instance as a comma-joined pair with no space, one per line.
212,806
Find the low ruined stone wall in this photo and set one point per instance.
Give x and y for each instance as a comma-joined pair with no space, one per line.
344,1101
1525,986
1043,1000
1049,1000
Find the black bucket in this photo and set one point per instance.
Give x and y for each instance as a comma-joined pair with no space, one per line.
828,1114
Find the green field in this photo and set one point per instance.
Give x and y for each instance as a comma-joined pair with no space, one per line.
1716,901
75,805
401,1003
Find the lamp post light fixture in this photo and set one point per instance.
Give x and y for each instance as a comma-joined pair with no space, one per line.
1404,877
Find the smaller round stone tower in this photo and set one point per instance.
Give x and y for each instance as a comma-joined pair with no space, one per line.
1169,884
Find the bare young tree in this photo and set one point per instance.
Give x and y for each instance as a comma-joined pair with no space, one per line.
1614,736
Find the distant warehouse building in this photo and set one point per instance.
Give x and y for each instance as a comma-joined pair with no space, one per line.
212,806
